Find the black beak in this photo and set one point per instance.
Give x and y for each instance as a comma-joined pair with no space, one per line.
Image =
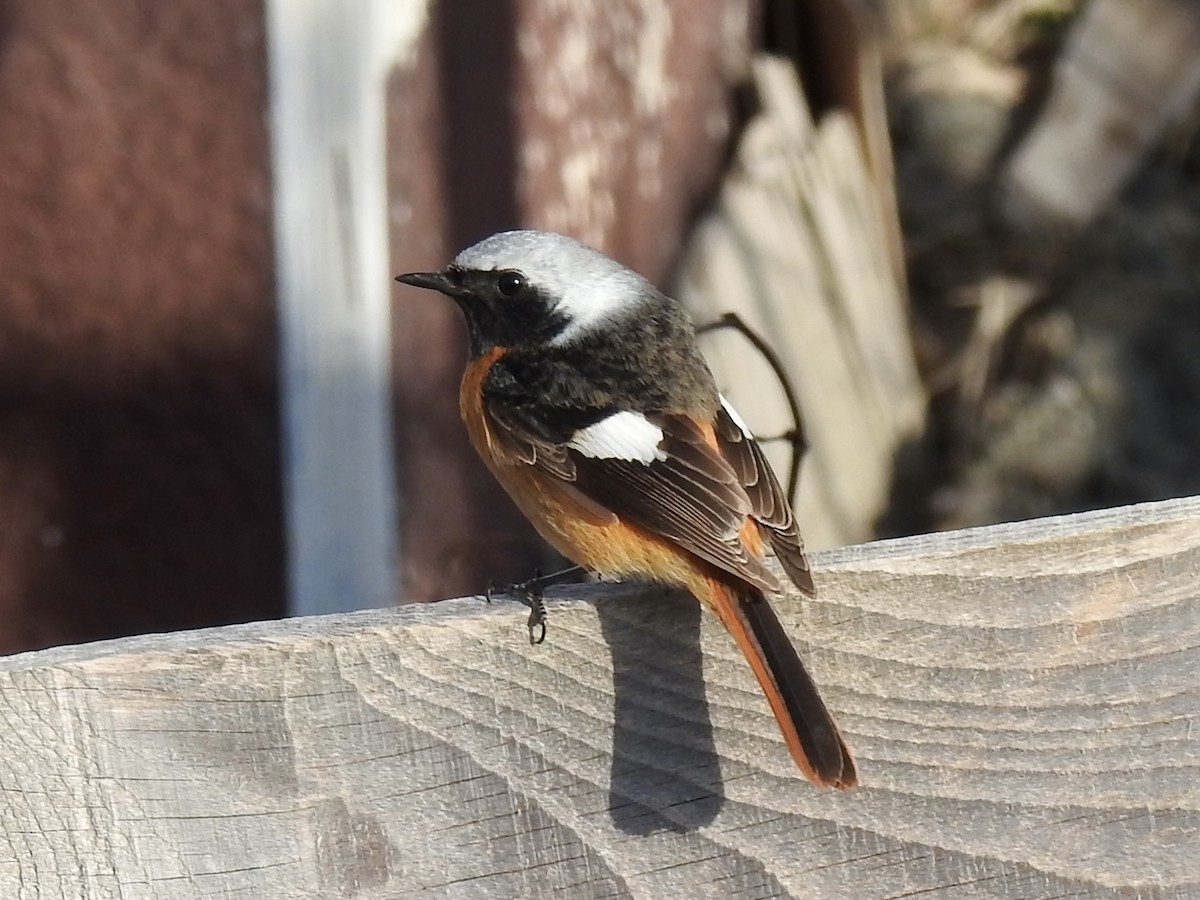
434,281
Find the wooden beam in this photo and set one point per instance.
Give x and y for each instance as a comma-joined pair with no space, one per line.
328,66
1023,700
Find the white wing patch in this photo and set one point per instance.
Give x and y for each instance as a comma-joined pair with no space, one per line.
624,435
737,420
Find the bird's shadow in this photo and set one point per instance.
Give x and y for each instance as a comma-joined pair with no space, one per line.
666,774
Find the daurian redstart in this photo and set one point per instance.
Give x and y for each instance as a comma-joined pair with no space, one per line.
588,399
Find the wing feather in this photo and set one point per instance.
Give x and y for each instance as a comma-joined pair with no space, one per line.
691,497
769,506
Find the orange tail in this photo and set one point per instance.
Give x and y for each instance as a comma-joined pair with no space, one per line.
808,729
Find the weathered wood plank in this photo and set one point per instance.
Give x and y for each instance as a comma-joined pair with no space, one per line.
1023,700
796,244
1111,101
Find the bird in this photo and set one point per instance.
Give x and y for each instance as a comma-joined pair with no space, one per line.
587,397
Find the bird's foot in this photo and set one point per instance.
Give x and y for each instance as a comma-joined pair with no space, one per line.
531,594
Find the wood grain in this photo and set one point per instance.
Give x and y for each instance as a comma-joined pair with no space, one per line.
1023,701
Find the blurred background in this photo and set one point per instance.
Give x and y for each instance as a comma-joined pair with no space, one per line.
969,229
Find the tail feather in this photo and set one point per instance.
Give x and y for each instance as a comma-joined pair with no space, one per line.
808,729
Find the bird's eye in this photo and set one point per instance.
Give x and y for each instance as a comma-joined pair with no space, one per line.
509,283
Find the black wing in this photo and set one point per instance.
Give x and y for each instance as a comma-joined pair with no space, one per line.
769,505
693,497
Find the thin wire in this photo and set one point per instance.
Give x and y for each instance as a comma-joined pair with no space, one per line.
795,436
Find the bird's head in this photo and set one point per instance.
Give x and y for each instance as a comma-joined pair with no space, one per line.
534,288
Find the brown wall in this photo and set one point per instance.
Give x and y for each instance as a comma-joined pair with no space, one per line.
139,436
139,474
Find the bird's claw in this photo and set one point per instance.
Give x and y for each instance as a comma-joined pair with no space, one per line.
530,594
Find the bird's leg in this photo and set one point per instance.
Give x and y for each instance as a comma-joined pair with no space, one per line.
530,593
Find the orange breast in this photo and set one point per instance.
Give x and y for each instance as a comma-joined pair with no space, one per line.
575,528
